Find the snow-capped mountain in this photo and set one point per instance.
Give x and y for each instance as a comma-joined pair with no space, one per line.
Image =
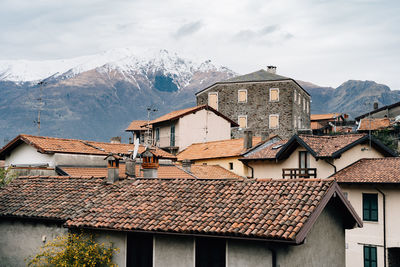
96,96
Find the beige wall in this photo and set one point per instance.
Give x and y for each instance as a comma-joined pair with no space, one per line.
26,154
198,127
372,232
238,167
272,169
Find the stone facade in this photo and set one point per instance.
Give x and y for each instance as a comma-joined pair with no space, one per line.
258,106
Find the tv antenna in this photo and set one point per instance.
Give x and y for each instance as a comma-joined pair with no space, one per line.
40,99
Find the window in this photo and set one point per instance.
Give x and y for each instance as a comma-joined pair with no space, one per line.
370,258
213,100
242,96
304,160
242,121
210,252
157,135
274,121
139,250
295,96
299,122
231,165
172,140
304,103
370,207
308,107
294,122
299,98
274,94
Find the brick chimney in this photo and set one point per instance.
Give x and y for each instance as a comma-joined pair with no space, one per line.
186,165
271,69
150,164
248,139
112,168
130,165
115,140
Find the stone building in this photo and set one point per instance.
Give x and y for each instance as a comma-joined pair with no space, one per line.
261,101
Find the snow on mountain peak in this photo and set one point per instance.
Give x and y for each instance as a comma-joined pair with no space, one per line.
124,60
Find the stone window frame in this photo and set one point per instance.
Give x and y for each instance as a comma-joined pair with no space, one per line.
242,90
269,121
294,122
208,99
299,99
295,96
243,116
304,104
270,89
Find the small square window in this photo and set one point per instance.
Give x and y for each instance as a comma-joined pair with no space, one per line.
274,121
370,257
274,94
370,207
242,96
231,165
242,121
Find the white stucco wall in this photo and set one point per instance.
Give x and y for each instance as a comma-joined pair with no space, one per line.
26,154
177,251
372,232
202,126
272,169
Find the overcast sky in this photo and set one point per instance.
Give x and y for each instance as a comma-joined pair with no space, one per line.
322,41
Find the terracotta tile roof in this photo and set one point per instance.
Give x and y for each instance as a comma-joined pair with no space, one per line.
215,149
267,151
378,170
282,210
325,146
137,126
52,145
212,172
373,124
164,171
328,116
183,112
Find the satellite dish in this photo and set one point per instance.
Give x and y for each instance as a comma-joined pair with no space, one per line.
136,148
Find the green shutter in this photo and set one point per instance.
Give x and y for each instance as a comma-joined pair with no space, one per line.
370,207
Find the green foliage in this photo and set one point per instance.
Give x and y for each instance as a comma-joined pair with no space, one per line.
387,138
74,250
5,177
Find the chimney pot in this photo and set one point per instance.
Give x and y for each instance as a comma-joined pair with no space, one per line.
149,164
186,165
112,168
130,167
271,69
248,139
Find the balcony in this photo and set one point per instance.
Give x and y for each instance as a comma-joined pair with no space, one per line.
299,173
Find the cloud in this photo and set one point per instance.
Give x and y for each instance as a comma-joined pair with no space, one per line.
268,35
188,29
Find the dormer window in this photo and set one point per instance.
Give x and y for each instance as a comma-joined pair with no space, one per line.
242,96
274,94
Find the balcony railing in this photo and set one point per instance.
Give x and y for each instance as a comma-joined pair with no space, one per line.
299,173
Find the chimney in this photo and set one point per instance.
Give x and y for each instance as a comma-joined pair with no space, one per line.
186,165
376,105
271,69
112,168
130,140
248,139
130,167
264,135
150,164
116,140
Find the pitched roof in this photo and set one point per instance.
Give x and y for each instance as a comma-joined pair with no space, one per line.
266,151
174,115
257,76
378,170
373,124
216,149
327,146
377,110
328,116
315,125
272,210
260,75
137,125
164,171
51,145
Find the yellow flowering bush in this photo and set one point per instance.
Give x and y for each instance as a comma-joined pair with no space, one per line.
74,250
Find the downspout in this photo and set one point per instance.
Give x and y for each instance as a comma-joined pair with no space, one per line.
273,257
384,225
251,168
334,167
